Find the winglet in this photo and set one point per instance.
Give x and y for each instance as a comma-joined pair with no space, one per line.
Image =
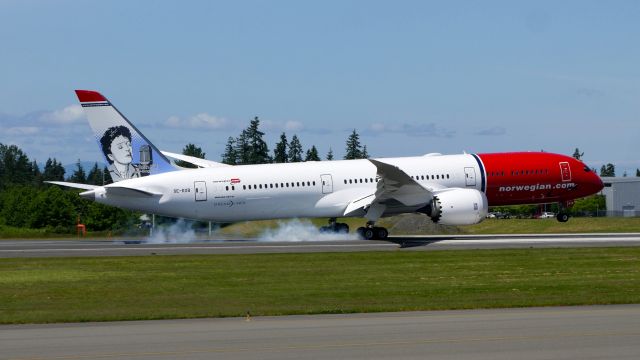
89,96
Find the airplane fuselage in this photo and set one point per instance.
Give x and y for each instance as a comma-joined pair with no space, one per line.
326,188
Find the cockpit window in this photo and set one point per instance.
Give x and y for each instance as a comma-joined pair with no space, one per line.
587,169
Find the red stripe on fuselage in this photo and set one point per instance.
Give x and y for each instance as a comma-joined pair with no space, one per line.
536,177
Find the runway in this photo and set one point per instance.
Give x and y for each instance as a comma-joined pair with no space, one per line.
595,332
136,247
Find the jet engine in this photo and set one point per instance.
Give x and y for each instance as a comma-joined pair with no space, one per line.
457,207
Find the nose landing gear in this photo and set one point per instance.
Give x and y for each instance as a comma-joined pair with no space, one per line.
563,211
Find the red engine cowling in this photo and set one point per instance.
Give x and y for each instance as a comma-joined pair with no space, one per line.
457,207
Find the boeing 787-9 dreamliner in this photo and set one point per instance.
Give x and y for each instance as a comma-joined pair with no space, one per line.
448,189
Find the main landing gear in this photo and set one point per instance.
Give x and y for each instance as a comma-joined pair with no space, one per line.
335,227
370,232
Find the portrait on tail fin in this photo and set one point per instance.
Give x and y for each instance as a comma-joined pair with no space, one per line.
118,151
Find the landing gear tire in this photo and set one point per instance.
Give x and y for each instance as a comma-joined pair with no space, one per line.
342,228
373,233
335,227
562,217
381,233
369,234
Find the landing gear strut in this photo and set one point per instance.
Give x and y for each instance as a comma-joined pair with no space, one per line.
335,227
563,214
370,232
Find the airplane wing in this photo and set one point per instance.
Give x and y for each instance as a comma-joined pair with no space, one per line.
393,184
72,185
194,160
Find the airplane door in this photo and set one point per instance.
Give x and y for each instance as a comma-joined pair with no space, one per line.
565,171
470,176
200,188
327,183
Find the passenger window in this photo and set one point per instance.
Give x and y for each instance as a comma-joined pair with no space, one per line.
308,183
244,187
349,181
345,181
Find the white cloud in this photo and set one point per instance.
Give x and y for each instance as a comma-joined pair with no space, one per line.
293,126
199,121
492,131
68,115
21,130
421,129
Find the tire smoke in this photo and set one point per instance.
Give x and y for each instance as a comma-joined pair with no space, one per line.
297,230
178,233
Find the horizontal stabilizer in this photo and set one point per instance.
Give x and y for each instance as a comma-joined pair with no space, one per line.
129,192
72,185
194,160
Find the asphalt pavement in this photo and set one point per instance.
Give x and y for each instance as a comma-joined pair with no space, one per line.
593,332
140,247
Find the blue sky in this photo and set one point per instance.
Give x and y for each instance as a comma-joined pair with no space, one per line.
412,77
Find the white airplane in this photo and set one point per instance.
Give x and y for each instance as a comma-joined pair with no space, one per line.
449,189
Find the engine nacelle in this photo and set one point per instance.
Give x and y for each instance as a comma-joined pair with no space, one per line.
457,207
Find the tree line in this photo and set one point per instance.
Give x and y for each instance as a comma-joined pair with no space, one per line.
27,202
249,147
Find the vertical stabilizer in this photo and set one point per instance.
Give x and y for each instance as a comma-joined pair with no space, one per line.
127,151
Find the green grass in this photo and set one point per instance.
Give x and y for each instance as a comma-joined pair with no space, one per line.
127,288
552,226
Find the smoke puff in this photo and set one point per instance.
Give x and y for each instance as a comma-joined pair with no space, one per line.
178,233
301,230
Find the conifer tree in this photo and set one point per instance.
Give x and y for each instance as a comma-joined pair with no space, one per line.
365,154
259,151
78,176
280,154
312,154
295,150
330,154
95,175
354,149
230,156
